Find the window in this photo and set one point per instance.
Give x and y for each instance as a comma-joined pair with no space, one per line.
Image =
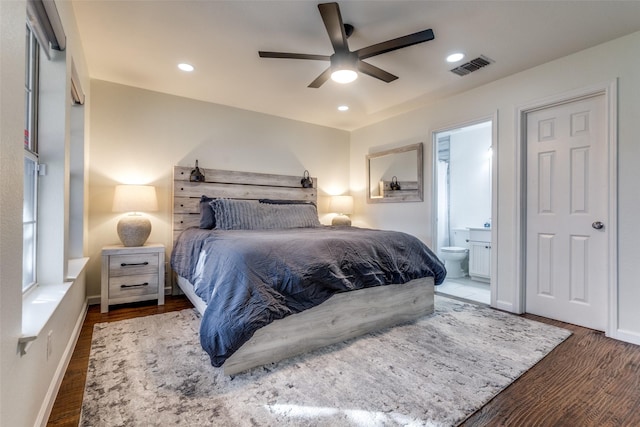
30,204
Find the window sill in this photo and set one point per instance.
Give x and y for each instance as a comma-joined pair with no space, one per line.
75,267
40,303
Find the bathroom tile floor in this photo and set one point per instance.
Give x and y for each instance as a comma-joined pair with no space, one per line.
467,289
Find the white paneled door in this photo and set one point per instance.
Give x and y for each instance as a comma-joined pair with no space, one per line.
567,206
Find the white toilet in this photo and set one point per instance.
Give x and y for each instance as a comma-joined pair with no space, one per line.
454,257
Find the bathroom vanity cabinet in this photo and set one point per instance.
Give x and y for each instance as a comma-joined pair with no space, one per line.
480,254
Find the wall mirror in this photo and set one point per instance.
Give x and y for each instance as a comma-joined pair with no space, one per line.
395,175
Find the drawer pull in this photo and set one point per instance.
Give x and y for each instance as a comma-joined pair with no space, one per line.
125,264
138,285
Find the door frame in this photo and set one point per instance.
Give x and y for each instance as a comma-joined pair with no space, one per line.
609,90
493,118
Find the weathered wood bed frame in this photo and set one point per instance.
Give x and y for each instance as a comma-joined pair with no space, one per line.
343,316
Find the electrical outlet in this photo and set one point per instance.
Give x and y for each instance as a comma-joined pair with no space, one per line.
49,344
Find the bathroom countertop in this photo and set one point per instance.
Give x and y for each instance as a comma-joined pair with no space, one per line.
480,228
480,234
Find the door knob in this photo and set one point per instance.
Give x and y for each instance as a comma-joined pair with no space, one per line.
598,225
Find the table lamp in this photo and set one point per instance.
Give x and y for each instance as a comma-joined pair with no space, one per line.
133,228
342,205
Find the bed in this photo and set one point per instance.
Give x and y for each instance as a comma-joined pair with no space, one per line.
253,286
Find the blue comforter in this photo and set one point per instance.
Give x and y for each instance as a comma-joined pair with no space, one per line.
249,278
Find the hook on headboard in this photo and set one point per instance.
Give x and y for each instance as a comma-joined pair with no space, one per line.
306,181
196,175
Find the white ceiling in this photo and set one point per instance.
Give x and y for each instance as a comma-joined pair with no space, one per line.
139,43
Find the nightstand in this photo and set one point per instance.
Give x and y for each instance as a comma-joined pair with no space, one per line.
131,274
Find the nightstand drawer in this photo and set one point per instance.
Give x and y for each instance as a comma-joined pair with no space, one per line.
136,285
127,265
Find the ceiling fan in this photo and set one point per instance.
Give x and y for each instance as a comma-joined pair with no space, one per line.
344,62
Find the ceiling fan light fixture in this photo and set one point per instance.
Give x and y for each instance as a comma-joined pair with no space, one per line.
344,76
343,67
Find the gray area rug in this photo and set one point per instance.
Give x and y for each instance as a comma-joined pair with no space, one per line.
434,372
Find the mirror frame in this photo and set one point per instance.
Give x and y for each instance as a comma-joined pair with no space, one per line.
415,195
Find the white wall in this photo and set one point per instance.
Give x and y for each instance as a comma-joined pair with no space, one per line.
137,136
28,383
614,60
469,178
12,19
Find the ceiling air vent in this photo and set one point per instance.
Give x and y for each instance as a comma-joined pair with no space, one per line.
471,66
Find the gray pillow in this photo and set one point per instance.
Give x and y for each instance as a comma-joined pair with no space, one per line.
207,218
250,215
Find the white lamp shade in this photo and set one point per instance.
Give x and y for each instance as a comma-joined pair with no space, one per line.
341,204
135,198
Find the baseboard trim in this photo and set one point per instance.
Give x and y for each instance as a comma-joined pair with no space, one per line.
505,306
626,336
54,387
93,300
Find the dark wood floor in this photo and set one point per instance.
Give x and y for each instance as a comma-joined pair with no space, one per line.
588,380
66,409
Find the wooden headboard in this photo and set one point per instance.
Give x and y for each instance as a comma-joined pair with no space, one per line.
231,185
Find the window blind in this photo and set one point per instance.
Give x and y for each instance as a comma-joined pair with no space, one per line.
45,22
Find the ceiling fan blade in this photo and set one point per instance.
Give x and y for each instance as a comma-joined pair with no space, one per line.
286,55
399,43
332,19
319,81
376,72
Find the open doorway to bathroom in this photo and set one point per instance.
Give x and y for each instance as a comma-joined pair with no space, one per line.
463,168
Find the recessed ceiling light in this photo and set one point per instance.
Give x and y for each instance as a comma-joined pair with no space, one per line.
455,57
343,108
185,67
